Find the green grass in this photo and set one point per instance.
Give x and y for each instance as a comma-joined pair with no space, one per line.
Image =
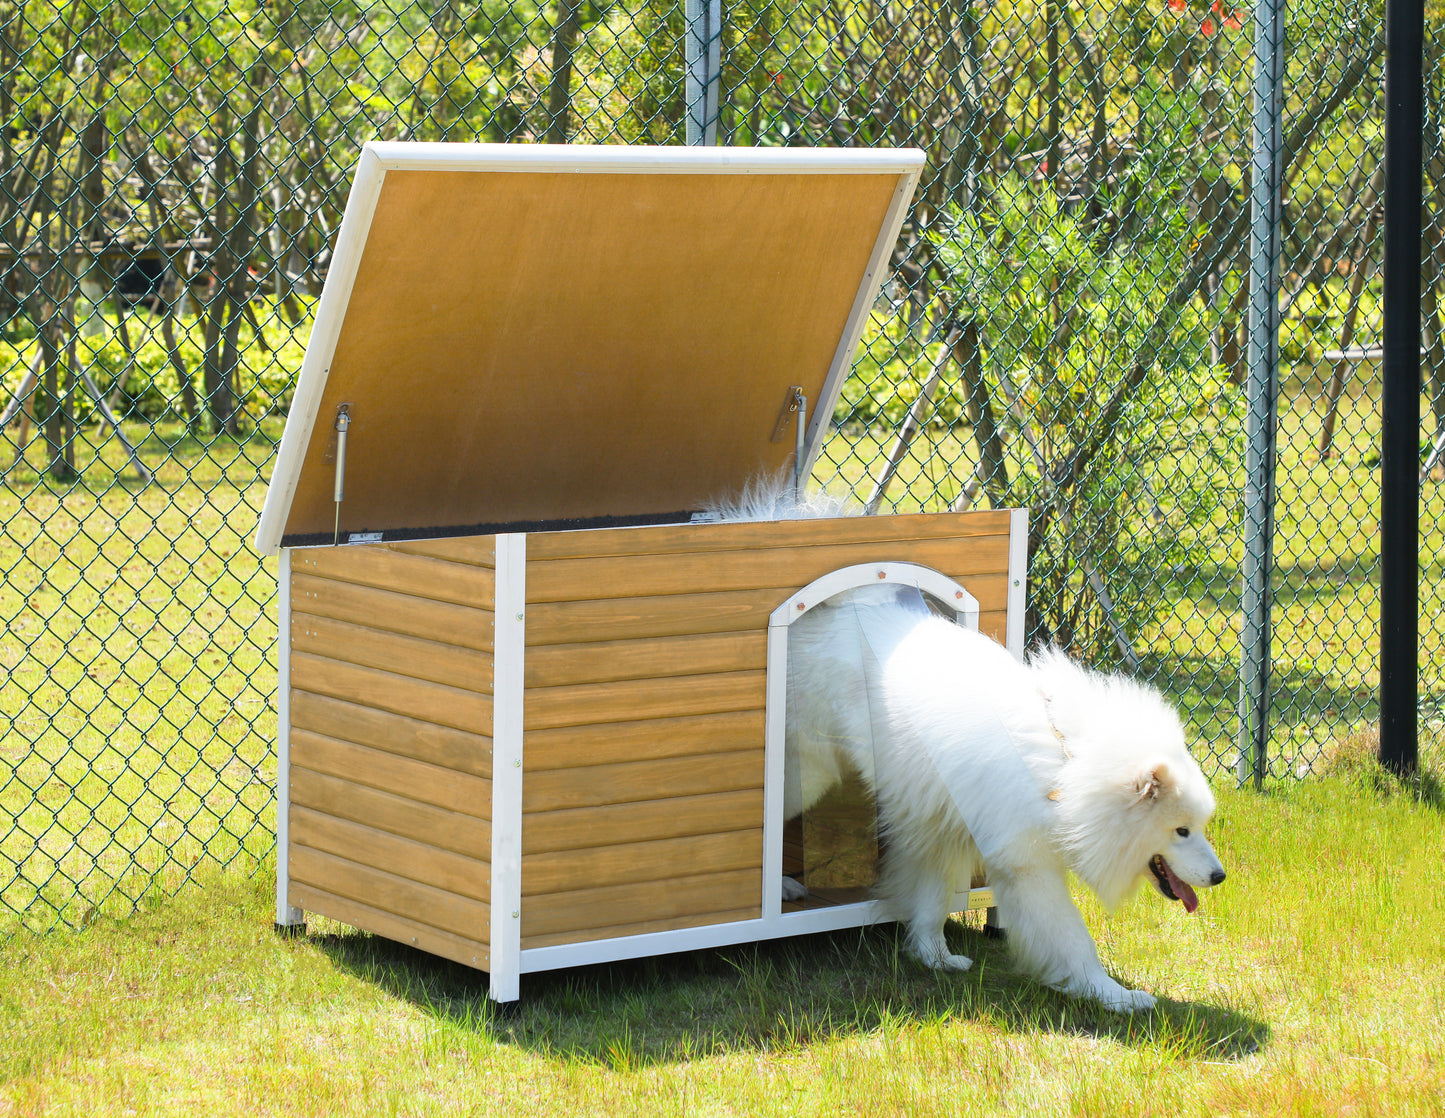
1311,982
136,672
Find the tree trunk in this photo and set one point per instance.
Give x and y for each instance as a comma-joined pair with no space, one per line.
559,87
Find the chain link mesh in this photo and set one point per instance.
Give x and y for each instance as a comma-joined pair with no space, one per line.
1065,329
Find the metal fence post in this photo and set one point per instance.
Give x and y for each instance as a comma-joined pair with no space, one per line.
1262,389
1400,397
703,58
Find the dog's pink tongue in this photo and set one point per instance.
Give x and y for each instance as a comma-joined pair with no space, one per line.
1186,895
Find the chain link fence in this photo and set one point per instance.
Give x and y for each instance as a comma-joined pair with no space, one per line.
1066,329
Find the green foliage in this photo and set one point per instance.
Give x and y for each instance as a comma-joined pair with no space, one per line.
1064,303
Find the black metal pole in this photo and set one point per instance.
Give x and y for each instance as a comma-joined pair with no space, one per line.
1400,396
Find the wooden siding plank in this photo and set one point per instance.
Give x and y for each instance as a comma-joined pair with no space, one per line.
478,551
631,576
635,699
629,782
403,857
393,612
408,656
671,615
658,539
378,565
595,909
994,623
399,896
589,934
608,661
459,949
612,742
640,618
657,860
460,833
416,780
393,733
641,820
399,694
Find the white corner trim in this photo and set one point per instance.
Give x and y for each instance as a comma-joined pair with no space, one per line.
1018,579
287,915
509,648
320,348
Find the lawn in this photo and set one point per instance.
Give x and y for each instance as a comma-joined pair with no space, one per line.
1311,982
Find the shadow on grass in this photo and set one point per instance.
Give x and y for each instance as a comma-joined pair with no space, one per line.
772,996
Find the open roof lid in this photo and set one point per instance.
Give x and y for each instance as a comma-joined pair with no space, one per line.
529,335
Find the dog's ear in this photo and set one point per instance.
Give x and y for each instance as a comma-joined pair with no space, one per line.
1153,780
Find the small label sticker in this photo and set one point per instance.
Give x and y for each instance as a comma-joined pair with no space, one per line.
364,537
979,898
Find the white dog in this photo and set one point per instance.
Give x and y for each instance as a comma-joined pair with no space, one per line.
977,760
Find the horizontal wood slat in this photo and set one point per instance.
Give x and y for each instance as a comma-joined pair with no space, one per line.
609,661
658,539
640,780
595,910
657,860
373,648
479,551
636,699
399,694
416,780
577,828
612,742
459,949
670,615
399,896
378,565
403,857
417,738
467,835
395,613
994,624
644,927
632,576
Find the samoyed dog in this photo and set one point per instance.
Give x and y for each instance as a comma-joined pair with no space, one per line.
1030,770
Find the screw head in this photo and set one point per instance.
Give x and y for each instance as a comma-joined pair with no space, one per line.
882,574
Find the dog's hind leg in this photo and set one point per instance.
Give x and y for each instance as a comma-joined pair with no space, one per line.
920,893
1050,940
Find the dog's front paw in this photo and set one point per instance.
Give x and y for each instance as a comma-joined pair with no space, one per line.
1123,1000
793,890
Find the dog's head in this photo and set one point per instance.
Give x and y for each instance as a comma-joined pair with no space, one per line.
1132,803
1178,806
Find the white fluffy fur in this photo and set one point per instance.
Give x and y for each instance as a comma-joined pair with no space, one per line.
1033,770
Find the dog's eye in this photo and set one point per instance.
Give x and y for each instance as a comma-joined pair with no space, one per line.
1182,832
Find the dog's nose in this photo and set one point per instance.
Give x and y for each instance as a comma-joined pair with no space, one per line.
1216,877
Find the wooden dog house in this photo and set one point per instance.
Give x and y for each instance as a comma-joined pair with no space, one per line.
531,715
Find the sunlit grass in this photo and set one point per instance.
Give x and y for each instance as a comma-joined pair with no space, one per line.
1309,983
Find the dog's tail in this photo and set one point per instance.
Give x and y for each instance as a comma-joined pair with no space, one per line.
773,497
